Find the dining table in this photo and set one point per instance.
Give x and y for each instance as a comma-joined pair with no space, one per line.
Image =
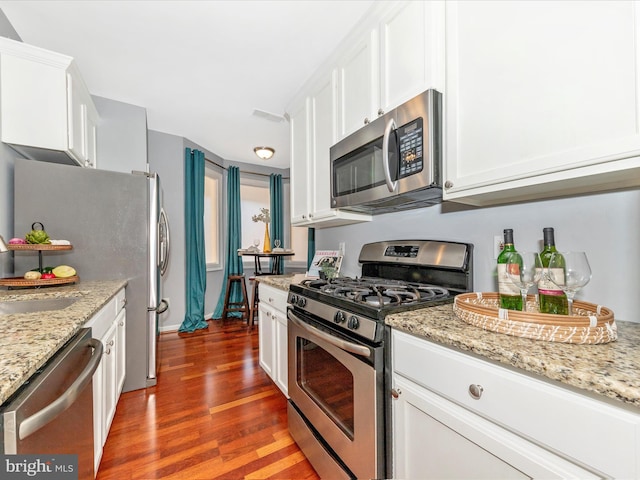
276,255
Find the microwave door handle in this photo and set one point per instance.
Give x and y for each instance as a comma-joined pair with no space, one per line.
391,184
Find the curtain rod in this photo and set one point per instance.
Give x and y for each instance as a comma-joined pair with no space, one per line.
241,171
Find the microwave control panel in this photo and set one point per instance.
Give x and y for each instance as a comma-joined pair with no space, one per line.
410,145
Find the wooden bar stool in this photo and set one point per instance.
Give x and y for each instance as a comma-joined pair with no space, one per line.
253,314
242,306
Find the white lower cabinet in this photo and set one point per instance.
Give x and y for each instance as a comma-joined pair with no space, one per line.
457,416
272,333
108,326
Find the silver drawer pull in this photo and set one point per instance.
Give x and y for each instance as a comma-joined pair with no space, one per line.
475,391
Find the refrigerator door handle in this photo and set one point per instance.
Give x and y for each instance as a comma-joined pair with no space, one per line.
163,236
161,308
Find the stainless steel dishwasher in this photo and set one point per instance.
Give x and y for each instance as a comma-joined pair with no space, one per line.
53,412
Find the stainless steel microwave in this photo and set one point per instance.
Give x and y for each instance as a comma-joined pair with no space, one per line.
392,163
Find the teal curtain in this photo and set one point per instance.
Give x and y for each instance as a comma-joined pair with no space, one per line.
311,246
276,209
196,263
233,261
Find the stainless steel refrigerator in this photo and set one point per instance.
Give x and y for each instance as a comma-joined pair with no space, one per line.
118,229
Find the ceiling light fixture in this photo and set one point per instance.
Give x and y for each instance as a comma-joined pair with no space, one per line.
265,153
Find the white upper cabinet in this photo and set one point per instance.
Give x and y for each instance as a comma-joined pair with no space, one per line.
541,99
411,49
358,75
394,60
46,111
313,131
300,164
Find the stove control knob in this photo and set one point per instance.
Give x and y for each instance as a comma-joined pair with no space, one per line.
302,302
353,322
294,299
339,317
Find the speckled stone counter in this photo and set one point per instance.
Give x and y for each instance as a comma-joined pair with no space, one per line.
611,369
281,282
28,340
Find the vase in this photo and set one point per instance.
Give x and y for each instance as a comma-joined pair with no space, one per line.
267,241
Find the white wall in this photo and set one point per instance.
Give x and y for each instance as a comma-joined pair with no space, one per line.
606,226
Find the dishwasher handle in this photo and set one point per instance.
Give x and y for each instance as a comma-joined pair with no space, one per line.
39,419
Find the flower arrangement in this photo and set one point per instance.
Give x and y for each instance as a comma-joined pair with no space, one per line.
263,216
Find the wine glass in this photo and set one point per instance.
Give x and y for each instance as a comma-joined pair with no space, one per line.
569,271
524,270
276,243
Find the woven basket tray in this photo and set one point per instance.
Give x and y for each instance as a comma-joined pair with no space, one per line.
589,324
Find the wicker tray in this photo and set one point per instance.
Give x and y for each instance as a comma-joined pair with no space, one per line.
589,324
19,282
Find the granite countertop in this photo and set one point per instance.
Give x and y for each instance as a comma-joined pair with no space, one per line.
281,282
610,370
28,340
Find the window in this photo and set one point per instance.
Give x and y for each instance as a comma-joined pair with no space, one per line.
213,219
254,195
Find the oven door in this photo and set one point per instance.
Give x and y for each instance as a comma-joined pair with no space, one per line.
336,388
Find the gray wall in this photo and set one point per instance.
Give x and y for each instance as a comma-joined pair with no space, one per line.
166,157
606,226
166,153
122,136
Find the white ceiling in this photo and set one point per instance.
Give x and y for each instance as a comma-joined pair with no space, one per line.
200,68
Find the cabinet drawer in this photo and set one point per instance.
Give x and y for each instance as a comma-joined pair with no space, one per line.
590,431
273,296
102,320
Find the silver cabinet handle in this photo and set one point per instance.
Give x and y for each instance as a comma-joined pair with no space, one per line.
380,112
366,120
475,391
39,419
391,184
448,184
396,392
336,342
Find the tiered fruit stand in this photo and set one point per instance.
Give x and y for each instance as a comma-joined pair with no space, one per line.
20,282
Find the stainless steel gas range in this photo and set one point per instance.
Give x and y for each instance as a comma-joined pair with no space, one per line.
339,408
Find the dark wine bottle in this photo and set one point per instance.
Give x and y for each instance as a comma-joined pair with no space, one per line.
510,297
552,299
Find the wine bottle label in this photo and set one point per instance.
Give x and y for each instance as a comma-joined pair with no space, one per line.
547,287
505,285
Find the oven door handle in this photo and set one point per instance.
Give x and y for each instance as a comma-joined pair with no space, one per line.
336,342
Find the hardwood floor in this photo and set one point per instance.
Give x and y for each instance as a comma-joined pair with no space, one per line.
214,414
